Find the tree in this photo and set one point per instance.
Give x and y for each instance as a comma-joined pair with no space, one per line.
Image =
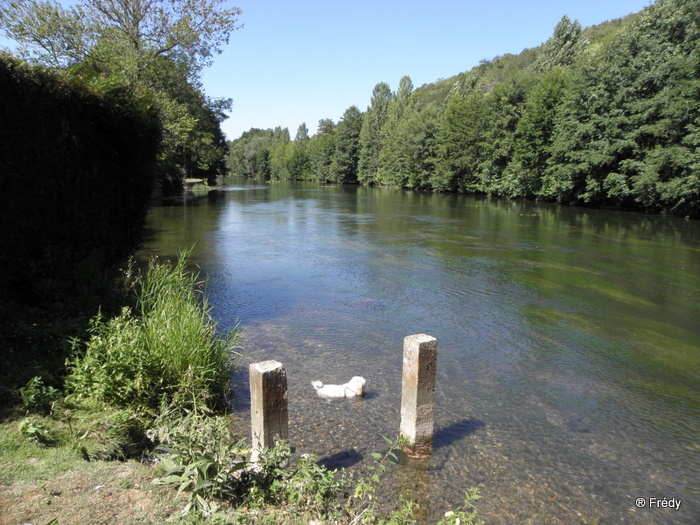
534,133
461,145
410,152
141,45
400,105
320,150
347,146
563,47
626,134
120,37
299,167
326,126
371,138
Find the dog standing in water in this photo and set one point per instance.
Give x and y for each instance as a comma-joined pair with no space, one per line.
353,388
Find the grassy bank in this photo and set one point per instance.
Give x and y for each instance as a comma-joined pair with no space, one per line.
138,432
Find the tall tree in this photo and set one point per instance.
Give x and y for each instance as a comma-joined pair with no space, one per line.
504,105
534,134
562,49
299,165
320,149
347,146
371,138
627,133
140,44
400,106
461,142
410,152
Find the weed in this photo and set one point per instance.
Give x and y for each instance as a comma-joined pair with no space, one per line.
163,352
467,514
204,468
363,503
36,396
36,431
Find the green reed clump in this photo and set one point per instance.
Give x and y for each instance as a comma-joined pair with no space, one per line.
162,352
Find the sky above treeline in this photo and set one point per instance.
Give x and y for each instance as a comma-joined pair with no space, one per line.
299,62
302,61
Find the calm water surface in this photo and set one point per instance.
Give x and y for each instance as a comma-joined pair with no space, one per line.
568,381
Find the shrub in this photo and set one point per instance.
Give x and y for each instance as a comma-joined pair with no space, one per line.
163,352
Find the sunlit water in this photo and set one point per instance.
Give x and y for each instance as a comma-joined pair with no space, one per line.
568,381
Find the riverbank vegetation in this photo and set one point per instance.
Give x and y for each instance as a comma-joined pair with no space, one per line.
102,108
605,116
150,386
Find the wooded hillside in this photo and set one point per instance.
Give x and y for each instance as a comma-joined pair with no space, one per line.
606,116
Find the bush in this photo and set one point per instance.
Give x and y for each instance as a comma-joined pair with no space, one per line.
162,354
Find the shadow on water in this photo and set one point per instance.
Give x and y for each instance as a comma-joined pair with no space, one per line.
341,460
241,392
456,431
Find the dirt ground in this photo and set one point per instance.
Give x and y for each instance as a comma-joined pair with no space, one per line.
111,493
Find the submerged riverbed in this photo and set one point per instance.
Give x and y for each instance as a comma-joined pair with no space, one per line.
568,381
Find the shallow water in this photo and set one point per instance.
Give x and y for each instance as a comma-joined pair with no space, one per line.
568,381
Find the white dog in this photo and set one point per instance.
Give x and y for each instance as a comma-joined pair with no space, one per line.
353,388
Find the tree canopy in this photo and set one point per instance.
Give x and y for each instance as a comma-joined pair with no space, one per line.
124,37
604,116
154,45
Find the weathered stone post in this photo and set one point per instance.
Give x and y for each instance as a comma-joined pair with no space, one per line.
418,389
268,405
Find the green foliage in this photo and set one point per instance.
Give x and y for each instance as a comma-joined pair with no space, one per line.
563,48
604,116
35,431
305,485
124,38
534,134
467,514
411,149
625,135
261,154
36,396
320,150
160,47
76,178
161,353
347,147
204,465
371,134
461,143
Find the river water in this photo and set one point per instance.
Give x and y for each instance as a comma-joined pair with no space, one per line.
568,379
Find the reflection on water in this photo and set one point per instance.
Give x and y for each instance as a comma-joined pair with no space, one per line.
568,380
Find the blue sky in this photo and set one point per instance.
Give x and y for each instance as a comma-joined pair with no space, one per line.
301,61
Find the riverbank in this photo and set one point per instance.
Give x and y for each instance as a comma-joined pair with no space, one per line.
134,392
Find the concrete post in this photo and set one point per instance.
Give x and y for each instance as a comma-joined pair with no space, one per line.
418,388
268,405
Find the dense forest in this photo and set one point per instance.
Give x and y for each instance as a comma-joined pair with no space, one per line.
605,116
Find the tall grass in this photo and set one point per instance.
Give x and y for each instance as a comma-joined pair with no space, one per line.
162,353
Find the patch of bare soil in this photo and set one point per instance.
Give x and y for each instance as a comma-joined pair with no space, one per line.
110,493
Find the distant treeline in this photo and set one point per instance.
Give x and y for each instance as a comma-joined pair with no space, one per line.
76,180
606,116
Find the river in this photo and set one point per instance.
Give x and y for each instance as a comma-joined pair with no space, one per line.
568,379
